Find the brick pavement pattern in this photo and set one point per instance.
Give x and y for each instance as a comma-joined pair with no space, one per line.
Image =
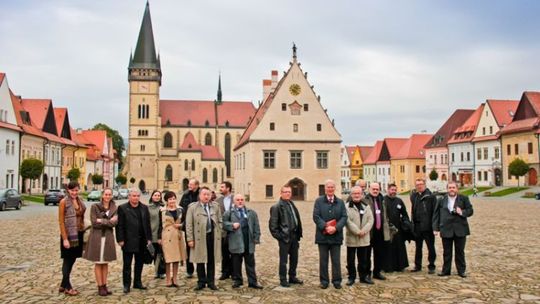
503,263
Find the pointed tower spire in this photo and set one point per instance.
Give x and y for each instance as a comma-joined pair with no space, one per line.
294,52
219,94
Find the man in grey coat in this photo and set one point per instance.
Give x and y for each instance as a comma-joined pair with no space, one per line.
243,233
330,216
225,202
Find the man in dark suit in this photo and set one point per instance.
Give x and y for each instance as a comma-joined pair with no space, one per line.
330,216
286,227
450,221
133,234
225,202
189,196
422,205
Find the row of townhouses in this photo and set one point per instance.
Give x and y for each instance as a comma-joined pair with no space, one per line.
34,128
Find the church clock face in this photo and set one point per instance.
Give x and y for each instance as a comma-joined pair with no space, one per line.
294,89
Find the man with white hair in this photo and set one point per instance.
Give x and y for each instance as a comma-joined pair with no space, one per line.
133,234
330,216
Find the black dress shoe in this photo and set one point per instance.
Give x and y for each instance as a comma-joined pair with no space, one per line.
337,286
296,281
431,271
224,277
189,275
324,286
379,276
366,280
416,269
199,287
462,274
212,286
255,286
236,284
443,274
350,282
284,284
139,286
126,289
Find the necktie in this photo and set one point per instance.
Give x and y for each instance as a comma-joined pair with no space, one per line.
377,214
209,220
242,213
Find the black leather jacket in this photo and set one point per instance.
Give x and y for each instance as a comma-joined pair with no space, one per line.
281,224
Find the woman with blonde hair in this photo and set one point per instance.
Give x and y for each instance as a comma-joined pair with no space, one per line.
172,239
101,248
71,219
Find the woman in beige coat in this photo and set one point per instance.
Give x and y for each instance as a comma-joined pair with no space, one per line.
359,224
100,248
172,239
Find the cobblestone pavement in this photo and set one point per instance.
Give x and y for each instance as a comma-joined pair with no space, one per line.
503,257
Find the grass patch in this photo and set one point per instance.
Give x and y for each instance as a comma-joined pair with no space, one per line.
405,193
470,191
508,191
35,198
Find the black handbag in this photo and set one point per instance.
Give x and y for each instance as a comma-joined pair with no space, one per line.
149,253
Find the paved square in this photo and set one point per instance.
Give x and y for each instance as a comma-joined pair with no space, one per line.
503,262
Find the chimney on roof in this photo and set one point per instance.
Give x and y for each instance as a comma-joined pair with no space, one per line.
269,85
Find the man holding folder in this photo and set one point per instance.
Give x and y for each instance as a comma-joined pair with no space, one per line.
330,216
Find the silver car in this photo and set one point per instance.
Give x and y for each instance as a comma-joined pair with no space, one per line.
10,198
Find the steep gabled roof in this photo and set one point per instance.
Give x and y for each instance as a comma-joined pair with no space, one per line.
207,152
197,113
503,110
374,154
413,147
446,131
526,114
466,131
365,151
350,151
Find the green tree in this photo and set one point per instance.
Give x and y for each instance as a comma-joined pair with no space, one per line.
118,141
97,179
518,167
74,174
31,168
433,175
121,179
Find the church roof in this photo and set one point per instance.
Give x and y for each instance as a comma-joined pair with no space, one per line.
207,152
145,51
201,113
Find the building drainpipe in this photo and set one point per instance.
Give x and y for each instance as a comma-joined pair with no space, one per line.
474,164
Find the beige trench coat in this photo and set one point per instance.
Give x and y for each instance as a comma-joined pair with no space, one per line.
172,238
355,225
196,220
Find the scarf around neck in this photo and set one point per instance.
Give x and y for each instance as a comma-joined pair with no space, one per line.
70,221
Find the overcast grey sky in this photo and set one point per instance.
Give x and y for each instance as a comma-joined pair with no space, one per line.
382,68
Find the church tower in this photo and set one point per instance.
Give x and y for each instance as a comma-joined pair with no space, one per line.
144,77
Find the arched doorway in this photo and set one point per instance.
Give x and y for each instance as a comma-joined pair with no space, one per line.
298,189
454,177
142,186
443,177
533,177
498,177
185,183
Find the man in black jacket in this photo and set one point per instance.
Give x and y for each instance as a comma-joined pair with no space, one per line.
189,196
330,216
422,205
133,234
286,227
450,221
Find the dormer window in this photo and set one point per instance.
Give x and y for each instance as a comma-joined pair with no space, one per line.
207,123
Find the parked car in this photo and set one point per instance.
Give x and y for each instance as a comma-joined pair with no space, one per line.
10,198
54,196
94,195
123,193
115,194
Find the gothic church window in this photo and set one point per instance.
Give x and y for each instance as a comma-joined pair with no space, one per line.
168,173
167,140
208,139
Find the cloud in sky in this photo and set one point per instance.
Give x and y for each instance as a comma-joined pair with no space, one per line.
382,68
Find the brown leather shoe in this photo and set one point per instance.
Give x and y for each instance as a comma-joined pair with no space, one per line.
107,290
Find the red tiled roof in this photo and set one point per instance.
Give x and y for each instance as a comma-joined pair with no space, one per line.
31,128
2,76
198,112
534,99
13,127
374,154
446,131
503,110
521,125
485,138
207,152
96,140
466,131
413,147
60,115
364,151
38,110
394,145
350,151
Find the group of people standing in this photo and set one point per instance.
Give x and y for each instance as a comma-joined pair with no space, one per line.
200,231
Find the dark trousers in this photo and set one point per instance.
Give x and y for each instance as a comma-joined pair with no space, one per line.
380,249
226,261
126,268
189,266
429,238
159,267
249,259
206,272
361,254
288,251
332,251
459,244
67,266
